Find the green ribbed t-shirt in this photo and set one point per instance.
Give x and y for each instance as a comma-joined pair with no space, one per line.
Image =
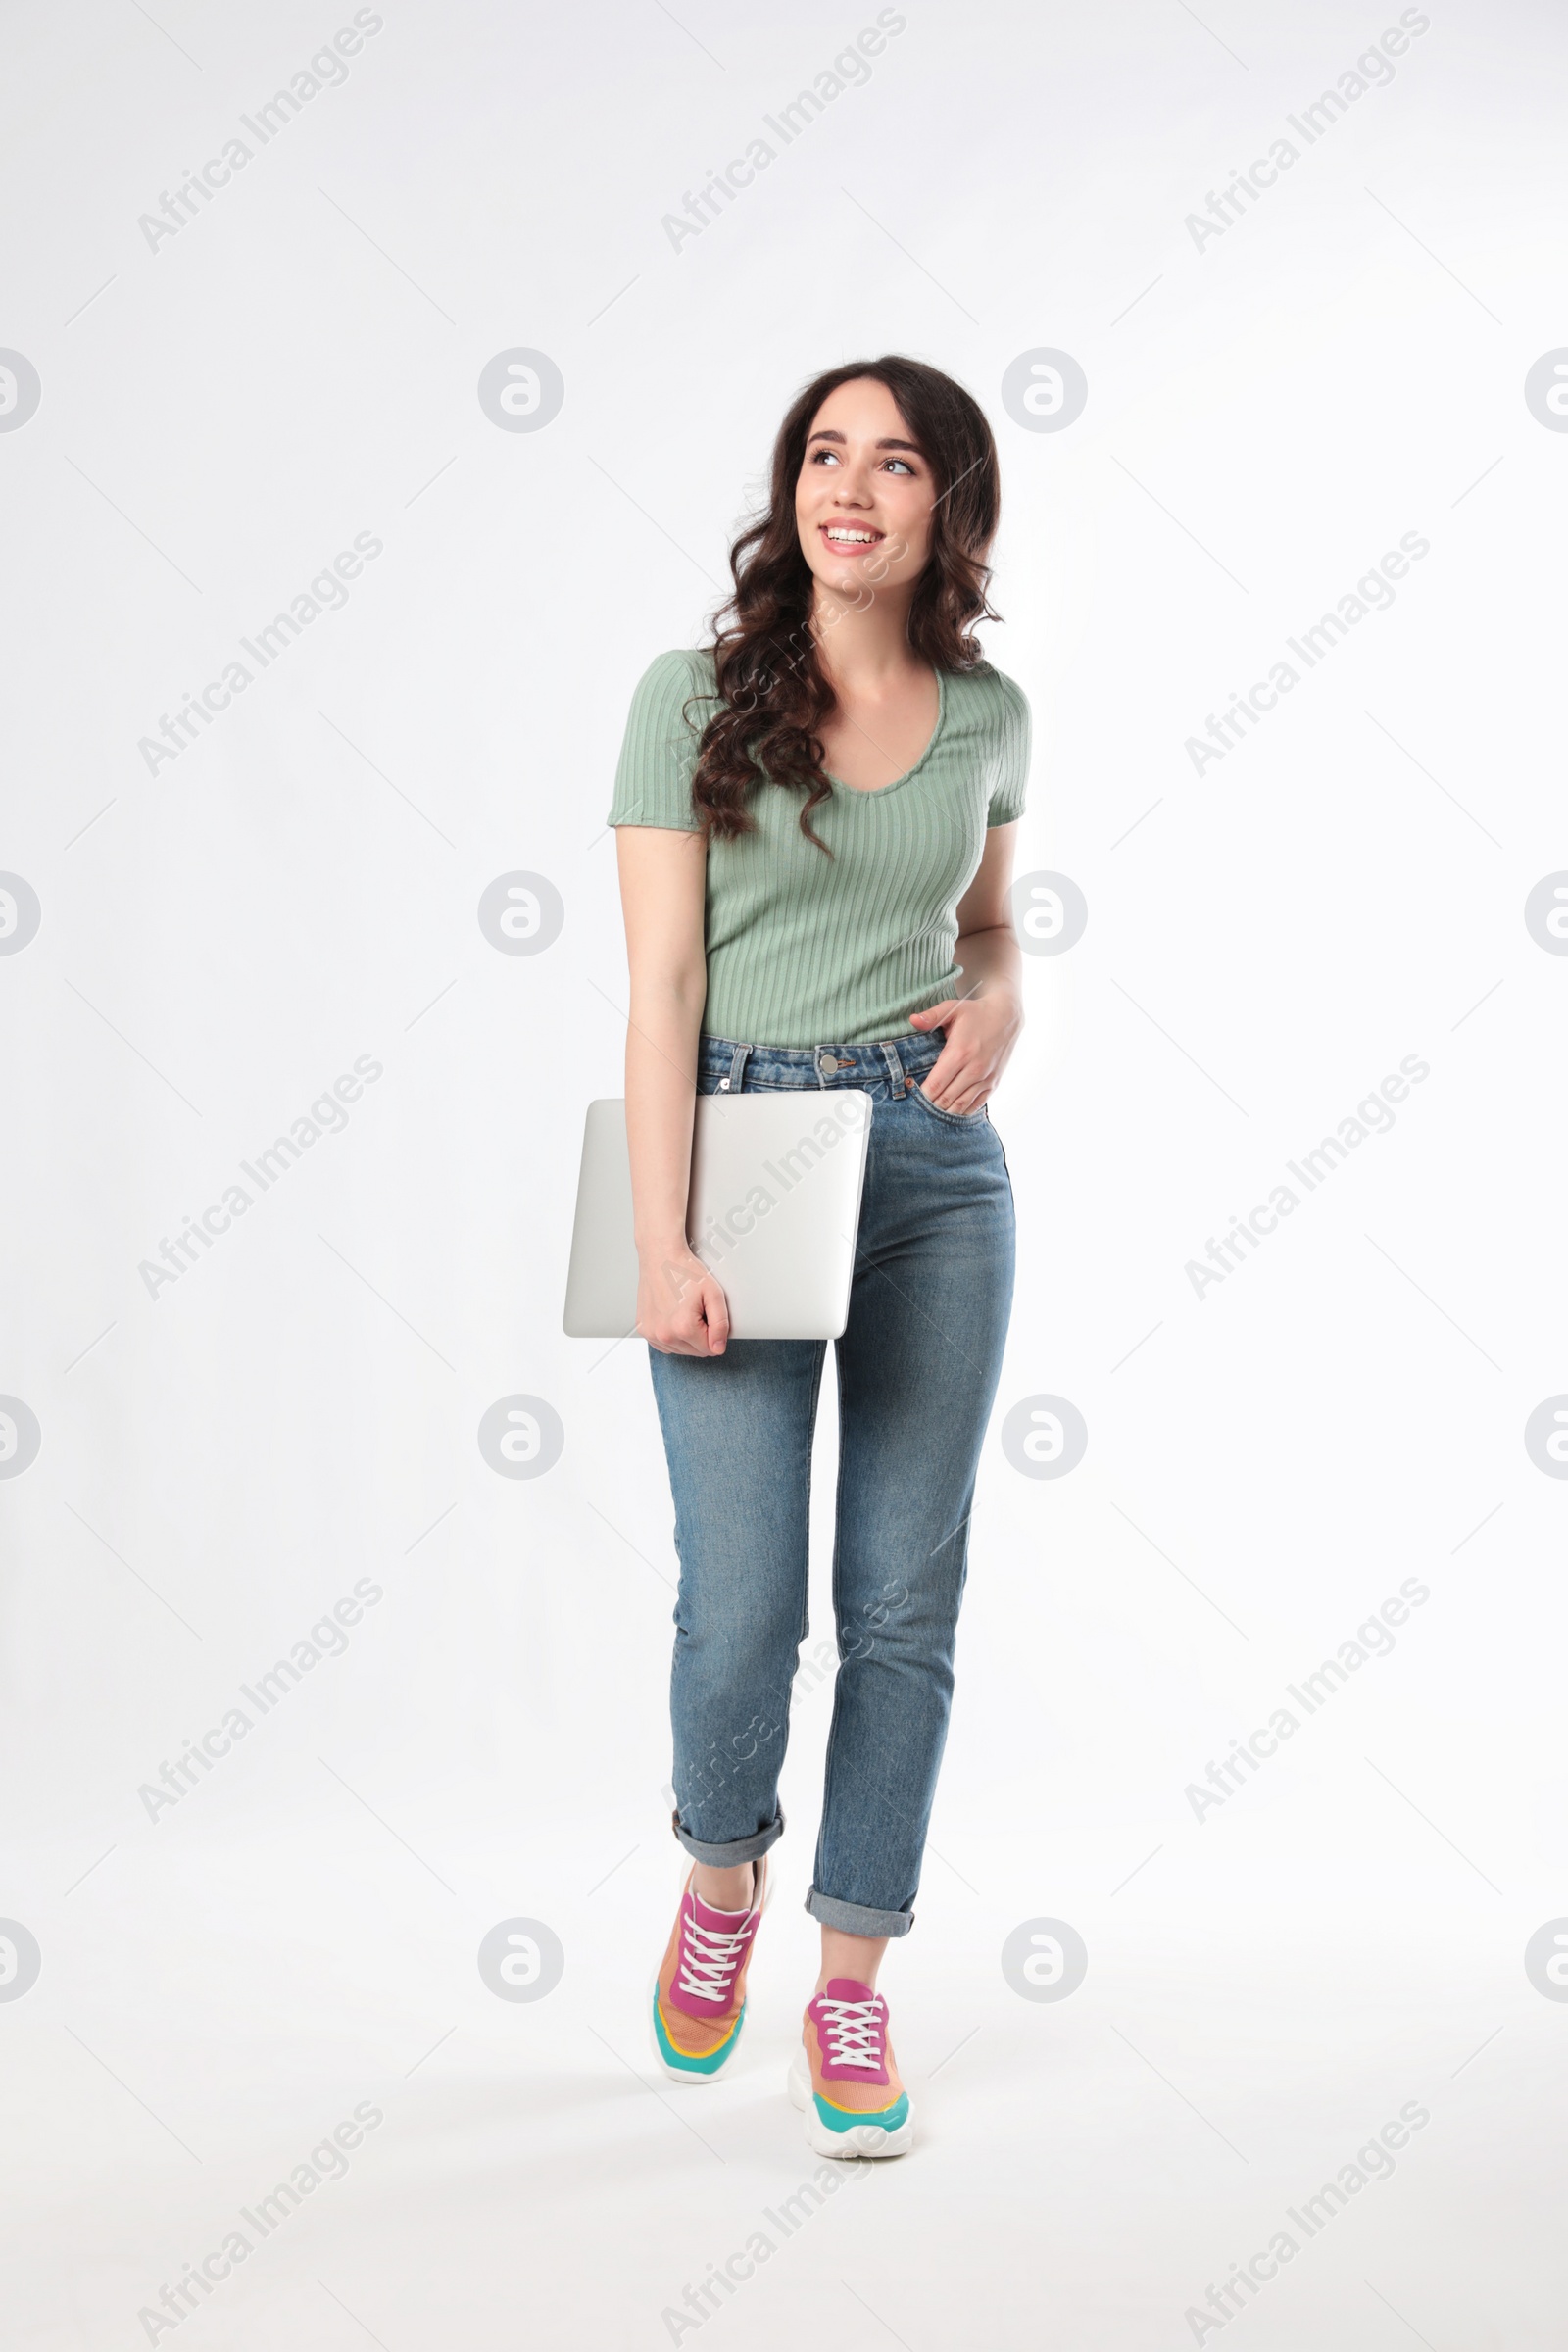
805,950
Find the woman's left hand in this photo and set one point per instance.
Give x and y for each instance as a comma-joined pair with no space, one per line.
979,1035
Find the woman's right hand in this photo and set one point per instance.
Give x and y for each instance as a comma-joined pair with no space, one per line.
681,1309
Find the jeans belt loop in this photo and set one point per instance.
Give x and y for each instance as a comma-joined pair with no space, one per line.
895,1067
737,1068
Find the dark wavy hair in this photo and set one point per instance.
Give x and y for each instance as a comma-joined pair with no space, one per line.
771,691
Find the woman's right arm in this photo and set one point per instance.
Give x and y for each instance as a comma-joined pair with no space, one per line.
681,1307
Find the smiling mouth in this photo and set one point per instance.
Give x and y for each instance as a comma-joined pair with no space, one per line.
849,537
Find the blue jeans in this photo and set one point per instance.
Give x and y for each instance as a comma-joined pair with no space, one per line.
917,1370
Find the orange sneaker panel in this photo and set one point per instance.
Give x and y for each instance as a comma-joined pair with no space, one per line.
854,2098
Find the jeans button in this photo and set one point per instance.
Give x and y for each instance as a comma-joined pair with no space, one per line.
832,1066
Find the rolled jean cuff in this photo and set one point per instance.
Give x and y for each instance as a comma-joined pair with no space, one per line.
856,1919
735,1849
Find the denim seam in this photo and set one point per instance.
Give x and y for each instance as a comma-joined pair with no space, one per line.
810,1434
838,1639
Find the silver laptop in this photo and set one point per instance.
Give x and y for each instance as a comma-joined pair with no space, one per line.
773,1211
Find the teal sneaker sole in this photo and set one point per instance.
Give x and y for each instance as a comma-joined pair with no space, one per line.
827,2136
676,2064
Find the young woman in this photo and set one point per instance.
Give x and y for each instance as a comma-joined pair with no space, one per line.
815,821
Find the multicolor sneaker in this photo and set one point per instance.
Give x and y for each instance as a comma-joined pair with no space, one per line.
698,1999
845,2076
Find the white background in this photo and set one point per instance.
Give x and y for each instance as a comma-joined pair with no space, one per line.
1266,416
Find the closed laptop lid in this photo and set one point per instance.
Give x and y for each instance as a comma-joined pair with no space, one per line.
772,1212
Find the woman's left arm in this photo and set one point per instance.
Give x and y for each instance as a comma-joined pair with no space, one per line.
981,1026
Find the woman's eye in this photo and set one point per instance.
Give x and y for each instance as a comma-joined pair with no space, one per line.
898,462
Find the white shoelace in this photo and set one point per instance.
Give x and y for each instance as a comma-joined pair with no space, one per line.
855,2029
711,1958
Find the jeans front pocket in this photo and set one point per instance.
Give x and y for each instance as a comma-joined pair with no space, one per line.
953,1118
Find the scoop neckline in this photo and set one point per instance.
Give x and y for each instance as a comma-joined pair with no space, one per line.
876,792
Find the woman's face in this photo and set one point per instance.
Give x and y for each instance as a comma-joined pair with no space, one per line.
866,495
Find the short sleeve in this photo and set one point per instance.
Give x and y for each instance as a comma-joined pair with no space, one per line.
1010,773
658,751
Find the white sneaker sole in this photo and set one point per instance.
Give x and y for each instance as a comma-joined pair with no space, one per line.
861,2139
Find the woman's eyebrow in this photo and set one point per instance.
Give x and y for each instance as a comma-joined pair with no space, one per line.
890,442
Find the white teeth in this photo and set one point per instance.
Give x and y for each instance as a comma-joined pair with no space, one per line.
853,538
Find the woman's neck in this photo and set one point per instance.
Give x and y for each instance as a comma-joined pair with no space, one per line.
864,645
